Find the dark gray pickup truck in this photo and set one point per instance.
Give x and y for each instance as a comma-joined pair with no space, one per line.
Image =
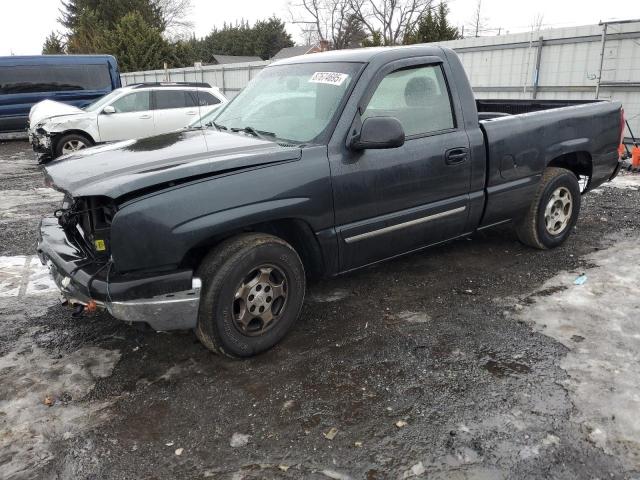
325,163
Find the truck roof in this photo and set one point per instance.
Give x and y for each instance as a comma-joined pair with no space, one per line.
366,55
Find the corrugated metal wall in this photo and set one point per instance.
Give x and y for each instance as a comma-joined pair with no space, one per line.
504,66
569,65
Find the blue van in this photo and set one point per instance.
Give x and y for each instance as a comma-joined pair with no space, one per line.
74,79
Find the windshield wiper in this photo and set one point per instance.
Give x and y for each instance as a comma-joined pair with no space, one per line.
256,133
212,123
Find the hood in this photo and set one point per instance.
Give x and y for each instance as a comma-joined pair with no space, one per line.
122,168
48,108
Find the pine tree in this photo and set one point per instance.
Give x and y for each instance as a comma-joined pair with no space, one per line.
433,26
264,39
446,31
269,37
375,40
110,12
136,44
53,45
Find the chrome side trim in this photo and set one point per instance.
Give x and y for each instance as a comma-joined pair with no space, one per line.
410,223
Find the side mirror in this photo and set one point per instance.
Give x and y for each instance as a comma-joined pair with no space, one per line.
379,132
109,109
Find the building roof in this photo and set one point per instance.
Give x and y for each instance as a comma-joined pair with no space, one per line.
289,52
222,59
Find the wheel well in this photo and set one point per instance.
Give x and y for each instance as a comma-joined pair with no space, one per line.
294,231
579,163
58,136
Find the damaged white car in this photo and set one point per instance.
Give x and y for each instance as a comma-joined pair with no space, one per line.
134,111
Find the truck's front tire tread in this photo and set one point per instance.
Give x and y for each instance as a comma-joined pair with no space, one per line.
215,271
529,229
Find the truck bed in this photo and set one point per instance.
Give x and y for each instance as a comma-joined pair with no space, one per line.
520,144
493,108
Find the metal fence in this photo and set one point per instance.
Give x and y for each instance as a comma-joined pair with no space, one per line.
230,78
593,61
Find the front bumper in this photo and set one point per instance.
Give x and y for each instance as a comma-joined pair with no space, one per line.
168,301
40,142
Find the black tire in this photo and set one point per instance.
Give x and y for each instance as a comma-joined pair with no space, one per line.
226,271
533,229
70,138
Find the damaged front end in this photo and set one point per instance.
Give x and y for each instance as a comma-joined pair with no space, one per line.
41,141
75,245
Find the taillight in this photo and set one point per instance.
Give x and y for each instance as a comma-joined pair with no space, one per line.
622,122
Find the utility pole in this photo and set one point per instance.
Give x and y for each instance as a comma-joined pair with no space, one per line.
602,44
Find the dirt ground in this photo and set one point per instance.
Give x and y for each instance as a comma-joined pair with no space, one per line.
480,359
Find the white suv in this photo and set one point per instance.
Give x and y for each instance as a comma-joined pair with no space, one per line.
134,111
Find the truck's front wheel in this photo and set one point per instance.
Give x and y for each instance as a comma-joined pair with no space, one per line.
253,290
553,212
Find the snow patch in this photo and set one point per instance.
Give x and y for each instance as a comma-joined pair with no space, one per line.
625,182
15,201
24,275
333,296
599,323
42,401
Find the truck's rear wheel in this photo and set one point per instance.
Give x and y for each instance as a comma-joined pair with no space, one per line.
553,212
253,290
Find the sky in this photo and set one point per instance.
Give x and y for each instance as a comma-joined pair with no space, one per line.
24,24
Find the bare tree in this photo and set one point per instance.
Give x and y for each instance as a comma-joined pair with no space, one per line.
478,23
333,21
175,14
538,22
392,19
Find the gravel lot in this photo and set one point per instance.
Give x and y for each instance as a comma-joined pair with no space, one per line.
479,359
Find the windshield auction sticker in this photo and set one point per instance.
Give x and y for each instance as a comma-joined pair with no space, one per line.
331,78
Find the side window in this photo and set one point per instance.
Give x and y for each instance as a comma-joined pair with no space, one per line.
166,99
418,97
53,78
134,102
205,98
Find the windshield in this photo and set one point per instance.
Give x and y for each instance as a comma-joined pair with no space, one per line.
99,103
205,120
295,103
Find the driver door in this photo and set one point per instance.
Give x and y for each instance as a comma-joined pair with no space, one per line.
133,118
392,201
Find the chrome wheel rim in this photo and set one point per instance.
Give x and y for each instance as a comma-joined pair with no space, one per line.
558,212
260,300
73,146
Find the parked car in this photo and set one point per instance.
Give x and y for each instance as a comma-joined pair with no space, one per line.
218,229
134,111
75,80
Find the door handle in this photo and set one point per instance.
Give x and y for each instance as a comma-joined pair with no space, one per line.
191,113
145,117
456,156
